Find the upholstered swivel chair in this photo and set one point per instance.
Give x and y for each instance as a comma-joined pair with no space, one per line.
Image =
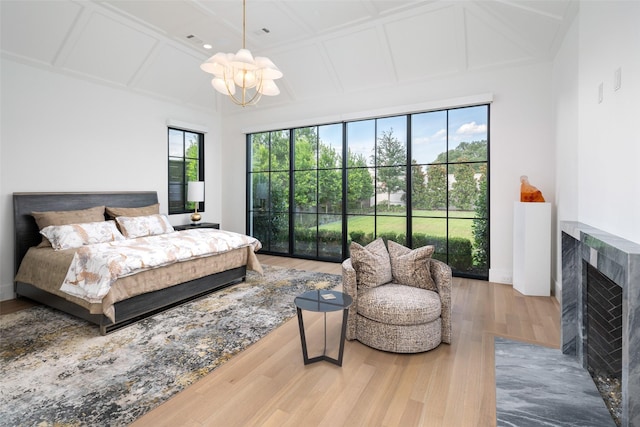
407,310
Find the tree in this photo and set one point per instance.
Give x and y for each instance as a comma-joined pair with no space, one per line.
192,160
279,149
436,192
389,154
480,226
305,184
418,187
329,177
475,151
464,190
359,181
260,152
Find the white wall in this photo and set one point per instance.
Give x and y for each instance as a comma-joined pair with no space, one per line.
565,112
609,142
65,134
597,145
521,138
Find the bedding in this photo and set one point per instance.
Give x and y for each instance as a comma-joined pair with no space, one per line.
46,269
94,268
88,273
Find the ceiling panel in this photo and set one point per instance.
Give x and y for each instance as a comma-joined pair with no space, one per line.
273,16
359,60
388,6
109,50
425,44
173,73
555,9
36,29
487,46
306,73
164,15
537,30
326,15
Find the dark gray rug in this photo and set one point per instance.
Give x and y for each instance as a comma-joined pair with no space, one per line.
539,386
57,370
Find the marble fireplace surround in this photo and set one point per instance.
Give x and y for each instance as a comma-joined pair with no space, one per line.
619,260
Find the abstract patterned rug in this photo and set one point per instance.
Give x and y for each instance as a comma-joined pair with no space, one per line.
57,370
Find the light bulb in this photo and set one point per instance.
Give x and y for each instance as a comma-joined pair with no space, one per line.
245,78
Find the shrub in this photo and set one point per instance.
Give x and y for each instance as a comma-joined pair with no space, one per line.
460,250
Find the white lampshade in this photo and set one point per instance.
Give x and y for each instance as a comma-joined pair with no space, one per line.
195,191
269,88
224,86
269,69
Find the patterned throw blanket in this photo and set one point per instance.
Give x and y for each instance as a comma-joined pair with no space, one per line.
96,267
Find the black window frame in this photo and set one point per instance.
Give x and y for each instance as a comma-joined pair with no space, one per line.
179,188
443,249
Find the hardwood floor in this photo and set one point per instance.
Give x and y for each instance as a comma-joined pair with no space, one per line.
452,385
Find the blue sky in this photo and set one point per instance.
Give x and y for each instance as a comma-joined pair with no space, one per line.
429,132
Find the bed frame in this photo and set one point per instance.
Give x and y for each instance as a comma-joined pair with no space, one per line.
128,311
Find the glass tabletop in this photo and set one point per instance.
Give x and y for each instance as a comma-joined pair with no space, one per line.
323,301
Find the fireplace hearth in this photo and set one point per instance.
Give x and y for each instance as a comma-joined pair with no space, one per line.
601,277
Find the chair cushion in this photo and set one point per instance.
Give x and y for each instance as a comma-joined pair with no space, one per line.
411,267
399,304
371,263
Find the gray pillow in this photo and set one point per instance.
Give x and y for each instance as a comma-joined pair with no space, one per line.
372,264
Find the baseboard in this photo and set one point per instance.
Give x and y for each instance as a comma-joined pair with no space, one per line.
7,293
557,291
498,275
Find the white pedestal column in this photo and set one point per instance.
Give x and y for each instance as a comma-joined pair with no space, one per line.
532,248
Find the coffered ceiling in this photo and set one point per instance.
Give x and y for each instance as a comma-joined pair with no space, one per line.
323,47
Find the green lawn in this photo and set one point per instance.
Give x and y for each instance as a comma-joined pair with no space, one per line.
428,226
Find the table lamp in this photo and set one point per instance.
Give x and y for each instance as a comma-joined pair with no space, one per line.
195,193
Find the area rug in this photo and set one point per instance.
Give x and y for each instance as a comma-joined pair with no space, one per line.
57,369
539,386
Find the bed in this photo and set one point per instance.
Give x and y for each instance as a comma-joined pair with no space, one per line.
130,298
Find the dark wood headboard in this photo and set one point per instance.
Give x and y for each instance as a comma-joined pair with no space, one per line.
26,230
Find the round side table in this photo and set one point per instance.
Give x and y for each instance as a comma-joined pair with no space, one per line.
323,301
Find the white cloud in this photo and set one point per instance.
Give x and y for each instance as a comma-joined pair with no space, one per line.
440,134
436,137
471,129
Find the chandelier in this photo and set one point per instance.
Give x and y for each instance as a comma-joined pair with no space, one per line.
253,77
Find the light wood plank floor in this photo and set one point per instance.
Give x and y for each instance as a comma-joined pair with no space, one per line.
452,385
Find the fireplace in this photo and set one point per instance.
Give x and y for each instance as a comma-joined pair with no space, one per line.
603,324
601,309
603,332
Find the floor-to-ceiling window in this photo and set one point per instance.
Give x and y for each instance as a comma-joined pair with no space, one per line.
416,179
268,189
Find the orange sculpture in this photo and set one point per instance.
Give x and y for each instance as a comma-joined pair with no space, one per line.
529,193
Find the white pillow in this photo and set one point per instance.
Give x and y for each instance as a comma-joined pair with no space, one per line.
141,226
76,235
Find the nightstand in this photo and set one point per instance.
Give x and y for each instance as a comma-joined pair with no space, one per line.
201,225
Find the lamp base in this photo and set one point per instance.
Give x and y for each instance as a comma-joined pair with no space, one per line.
195,217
